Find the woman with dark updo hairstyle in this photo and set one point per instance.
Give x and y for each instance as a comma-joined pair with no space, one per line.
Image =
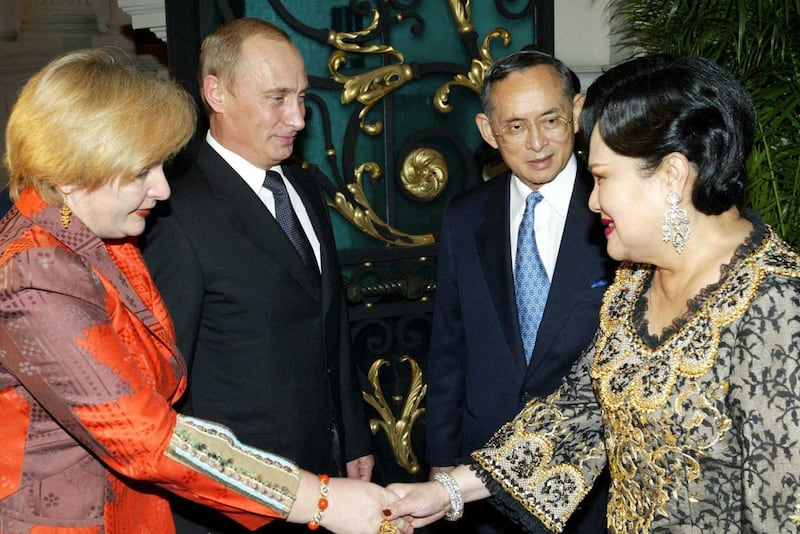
690,389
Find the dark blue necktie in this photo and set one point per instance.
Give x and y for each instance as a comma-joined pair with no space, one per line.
530,279
288,221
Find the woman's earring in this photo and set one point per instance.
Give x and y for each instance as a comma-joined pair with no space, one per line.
66,213
675,227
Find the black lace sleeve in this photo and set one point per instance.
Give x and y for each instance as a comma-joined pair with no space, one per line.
541,465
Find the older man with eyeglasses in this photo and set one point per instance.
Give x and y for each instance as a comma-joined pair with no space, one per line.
522,272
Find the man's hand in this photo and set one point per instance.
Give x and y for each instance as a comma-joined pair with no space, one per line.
361,468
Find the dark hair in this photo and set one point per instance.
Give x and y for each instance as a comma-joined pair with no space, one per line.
523,59
688,105
598,91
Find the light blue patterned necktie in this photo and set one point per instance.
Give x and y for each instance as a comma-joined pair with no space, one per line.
530,279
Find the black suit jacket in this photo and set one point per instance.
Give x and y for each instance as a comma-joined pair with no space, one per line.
267,355
477,375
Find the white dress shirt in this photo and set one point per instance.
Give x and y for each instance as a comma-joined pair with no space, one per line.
550,214
254,178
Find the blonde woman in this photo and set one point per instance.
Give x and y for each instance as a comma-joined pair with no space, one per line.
88,364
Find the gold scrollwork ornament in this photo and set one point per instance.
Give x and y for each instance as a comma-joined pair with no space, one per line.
462,11
339,40
398,430
360,213
368,87
477,71
424,173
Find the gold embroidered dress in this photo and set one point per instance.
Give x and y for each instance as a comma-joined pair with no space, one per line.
700,428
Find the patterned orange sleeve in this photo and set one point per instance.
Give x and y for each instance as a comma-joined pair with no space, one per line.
88,372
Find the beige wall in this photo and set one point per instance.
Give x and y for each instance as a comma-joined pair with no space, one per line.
582,36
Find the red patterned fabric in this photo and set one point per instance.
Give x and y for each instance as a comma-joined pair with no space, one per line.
88,373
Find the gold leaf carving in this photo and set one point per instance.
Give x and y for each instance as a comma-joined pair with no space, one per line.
363,218
424,173
339,40
368,87
462,11
398,430
474,78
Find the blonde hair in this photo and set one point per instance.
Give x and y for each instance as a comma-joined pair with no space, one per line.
221,51
89,118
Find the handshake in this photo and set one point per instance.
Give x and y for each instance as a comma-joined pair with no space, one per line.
352,506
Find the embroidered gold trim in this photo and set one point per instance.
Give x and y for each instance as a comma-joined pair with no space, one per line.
636,387
663,411
216,453
521,464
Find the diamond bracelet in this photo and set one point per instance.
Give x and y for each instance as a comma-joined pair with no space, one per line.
454,492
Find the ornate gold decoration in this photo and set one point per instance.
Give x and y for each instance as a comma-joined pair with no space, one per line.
387,527
339,40
66,213
424,173
474,79
363,218
398,430
462,11
369,87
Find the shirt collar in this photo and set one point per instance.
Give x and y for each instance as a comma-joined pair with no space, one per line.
252,175
556,193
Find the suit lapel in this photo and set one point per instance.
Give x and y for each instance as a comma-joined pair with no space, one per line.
255,220
493,245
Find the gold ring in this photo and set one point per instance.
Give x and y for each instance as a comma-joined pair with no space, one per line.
387,527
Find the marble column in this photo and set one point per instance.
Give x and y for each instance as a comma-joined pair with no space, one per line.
110,21
33,32
147,14
59,24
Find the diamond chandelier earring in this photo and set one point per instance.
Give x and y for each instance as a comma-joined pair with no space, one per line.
675,227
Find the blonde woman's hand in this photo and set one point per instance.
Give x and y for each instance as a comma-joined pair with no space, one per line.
354,506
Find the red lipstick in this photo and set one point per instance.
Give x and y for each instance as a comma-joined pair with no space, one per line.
609,229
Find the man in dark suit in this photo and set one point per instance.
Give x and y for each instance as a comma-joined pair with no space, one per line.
258,306
479,375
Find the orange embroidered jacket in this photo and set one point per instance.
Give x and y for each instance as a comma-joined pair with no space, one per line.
88,373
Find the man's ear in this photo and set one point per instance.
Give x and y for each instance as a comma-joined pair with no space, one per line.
577,107
213,93
485,127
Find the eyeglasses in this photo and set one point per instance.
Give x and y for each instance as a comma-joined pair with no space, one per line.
555,128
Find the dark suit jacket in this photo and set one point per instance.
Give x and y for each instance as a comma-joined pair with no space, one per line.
477,375
5,201
267,355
